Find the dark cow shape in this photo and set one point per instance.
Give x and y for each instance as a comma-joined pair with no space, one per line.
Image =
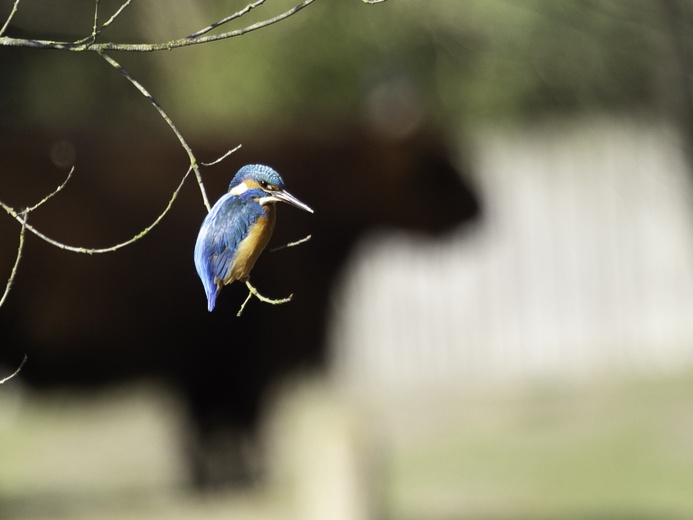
90,321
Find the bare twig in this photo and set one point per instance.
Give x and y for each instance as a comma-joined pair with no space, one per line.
262,298
96,30
92,37
20,248
169,122
21,218
113,18
15,6
291,244
54,192
217,161
226,20
82,46
247,299
19,368
252,291
24,215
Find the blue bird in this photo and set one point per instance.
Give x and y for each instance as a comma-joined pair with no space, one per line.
238,227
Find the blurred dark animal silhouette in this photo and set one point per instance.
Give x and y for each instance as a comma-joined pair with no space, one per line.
90,321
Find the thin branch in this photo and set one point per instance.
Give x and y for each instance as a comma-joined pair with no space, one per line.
92,36
22,220
290,244
55,191
247,299
149,47
217,161
96,31
13,374
252,291
262,298
226,20
169,122
24,215
20,248
9,18
112,19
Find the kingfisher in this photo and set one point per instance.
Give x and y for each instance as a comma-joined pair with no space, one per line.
238,227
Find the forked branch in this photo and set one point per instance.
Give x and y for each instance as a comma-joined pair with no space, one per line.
89,43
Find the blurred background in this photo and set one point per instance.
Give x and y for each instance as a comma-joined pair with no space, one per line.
493,319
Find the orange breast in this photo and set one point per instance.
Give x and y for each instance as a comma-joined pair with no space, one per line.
251,247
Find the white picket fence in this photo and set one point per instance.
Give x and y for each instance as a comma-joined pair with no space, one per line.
582,265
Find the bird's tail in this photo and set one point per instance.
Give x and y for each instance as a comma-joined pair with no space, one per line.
212,292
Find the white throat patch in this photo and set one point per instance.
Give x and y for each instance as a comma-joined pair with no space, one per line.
267,200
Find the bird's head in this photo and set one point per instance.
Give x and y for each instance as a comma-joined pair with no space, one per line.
267,181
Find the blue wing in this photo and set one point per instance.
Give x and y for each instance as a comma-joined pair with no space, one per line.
222,230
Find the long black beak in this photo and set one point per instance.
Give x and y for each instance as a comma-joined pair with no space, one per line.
287,197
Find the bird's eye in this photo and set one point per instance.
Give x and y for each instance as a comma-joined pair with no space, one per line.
264,184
